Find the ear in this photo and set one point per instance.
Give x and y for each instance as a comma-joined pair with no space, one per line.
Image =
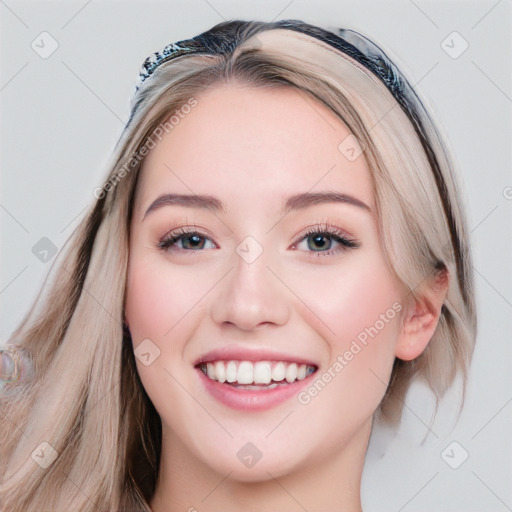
422,316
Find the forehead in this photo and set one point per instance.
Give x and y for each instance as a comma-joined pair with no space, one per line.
256,144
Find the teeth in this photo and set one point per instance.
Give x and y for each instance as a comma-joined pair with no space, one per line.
291,373
301,372
245,373
262,373
279,372
255,375
219,372
230,371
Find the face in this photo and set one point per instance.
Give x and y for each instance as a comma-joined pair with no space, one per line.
263,313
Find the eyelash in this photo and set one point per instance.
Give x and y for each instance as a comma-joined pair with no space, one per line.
331,232
324,229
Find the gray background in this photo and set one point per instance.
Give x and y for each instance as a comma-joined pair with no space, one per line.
61,115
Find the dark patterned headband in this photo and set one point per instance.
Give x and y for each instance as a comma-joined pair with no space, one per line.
225,37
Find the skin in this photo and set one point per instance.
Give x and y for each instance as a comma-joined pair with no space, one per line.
252,149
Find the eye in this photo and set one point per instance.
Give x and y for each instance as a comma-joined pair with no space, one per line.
324,240
321,240
189,239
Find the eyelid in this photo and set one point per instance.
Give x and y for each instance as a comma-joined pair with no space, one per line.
327,225
185,224
331,230
172,236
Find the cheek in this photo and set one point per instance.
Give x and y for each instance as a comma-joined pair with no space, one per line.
360,325
147,303
357,315
351,297
158,297
163,304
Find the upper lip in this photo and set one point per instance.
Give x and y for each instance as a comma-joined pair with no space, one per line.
238,353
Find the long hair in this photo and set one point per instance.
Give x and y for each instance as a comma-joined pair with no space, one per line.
78,432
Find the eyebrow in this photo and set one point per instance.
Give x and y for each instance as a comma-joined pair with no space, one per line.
300,201
188,200
295,202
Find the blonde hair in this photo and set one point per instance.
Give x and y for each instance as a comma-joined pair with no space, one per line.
83,396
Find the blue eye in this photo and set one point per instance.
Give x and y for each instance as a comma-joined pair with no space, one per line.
191,240
320,240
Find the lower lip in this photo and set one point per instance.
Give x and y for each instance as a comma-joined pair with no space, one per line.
252,400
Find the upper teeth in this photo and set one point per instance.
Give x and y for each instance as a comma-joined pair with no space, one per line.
262,372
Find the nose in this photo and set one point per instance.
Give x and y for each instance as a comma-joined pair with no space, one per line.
250,296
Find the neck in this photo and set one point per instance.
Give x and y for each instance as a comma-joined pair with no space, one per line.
186,484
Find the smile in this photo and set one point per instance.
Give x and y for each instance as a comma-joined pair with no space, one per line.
256,375
253,385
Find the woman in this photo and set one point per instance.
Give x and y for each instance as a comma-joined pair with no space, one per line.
278,251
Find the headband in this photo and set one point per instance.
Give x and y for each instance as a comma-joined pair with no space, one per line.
225,37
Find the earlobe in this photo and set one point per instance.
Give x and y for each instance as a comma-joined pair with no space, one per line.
421,317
